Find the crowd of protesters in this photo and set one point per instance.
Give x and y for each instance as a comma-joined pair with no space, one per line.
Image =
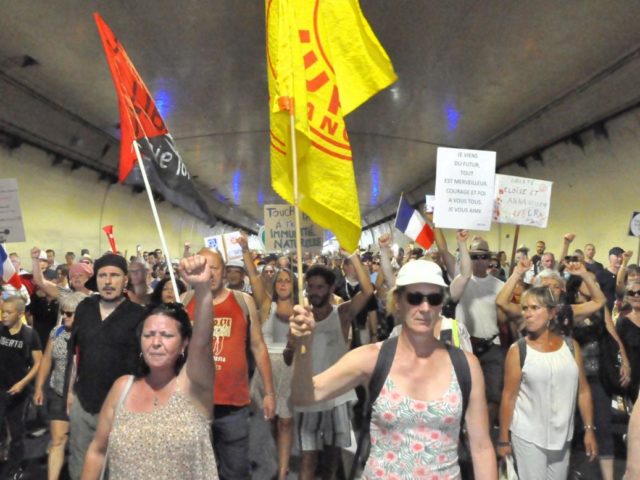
121,367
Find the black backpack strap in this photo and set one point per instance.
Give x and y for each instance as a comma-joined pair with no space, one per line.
463,374
522,348
381,369
376,382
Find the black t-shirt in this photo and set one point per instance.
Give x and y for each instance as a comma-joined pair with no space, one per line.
607,282
107,349
629,333
45,316
594,267
15,354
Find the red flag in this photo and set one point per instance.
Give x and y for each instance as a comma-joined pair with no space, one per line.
108,229
141,121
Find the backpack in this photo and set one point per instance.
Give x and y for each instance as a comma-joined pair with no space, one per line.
379,376
522,347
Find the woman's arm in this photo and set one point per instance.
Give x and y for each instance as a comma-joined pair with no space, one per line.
96,454
384,242
633,447
456,289
352,369
257,287
622,272
199,368
512,378
477,420
585,405
503,299
625,368
583,310
43,374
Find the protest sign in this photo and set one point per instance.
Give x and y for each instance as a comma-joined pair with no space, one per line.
634,225
522,201
280,230
11,225
429,203
464,188
226,244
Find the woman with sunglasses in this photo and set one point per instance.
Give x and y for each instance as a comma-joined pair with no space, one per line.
416,418
628,327
157,424
542,379
54,363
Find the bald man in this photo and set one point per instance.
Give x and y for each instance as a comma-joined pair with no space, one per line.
234,334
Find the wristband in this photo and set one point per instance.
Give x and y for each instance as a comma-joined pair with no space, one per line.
589,427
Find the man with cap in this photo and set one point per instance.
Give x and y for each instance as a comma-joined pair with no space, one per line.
104,341
606,277
235,274
477,311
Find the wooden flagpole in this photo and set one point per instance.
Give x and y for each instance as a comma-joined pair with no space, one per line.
515,246
152,202
296,204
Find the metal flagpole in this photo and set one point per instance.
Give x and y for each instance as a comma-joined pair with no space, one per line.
152,202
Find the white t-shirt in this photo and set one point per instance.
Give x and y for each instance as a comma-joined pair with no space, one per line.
477,307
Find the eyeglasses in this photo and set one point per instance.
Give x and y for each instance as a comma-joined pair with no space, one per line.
480,256
433,299
494,265
633,293
67,314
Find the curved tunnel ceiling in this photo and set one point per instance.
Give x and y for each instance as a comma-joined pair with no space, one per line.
507,76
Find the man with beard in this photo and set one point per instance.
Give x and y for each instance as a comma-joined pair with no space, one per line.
104,339
237,334
325,425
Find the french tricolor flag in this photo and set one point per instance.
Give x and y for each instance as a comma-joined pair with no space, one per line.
410,222
7,272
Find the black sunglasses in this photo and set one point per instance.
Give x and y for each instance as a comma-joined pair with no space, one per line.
480,256
633,293
433,299
67,314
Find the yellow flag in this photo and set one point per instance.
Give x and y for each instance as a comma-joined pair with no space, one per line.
323,61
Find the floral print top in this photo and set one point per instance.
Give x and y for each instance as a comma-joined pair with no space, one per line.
414,439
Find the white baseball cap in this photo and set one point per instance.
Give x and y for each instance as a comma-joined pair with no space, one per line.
420,271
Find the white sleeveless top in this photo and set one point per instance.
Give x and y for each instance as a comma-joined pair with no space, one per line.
547,398
275,332
327,348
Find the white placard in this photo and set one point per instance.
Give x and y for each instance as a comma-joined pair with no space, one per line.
11,225
634,224
464,188
215,243
226,244
429,203
234,250
522,201
280,230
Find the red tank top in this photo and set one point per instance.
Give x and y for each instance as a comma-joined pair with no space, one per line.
230,331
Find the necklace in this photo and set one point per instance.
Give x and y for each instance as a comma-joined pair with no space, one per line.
156,401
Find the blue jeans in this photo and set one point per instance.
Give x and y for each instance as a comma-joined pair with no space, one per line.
231,442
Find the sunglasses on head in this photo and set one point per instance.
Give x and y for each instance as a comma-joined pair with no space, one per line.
433,299
633,293
67,314
480,256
